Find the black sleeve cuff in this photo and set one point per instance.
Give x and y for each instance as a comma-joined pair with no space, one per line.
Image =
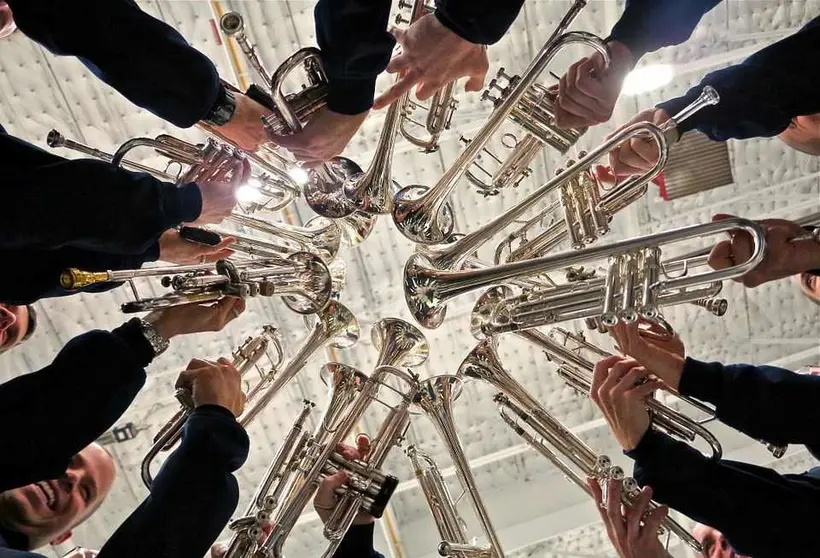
357,542
182,205
701,380
213,433
353,96
653,444
131,334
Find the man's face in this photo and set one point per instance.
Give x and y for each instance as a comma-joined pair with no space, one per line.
803,134
13,325
714,545
46,510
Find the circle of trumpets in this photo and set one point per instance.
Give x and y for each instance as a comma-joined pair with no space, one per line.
437,393
327,197
408,343
416,226
356,227
421,293
340,322
371,205
484,309
319,284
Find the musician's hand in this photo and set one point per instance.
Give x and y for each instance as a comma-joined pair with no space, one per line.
639,154
664,359
324,137
431,57
325,499
588,91
783,258
196,318
177,250
617,392
634,534
218,199
220,549
245,128
213,384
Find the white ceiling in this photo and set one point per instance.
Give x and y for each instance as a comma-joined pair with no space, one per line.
535,511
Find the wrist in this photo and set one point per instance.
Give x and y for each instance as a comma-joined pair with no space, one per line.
223,109
163,324
623,61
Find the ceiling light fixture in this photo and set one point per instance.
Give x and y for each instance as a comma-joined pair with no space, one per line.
647,78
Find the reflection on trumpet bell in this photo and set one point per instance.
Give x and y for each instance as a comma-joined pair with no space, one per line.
356,227
246,356
325,189
399,343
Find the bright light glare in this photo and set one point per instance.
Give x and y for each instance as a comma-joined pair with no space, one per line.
248,194
298,175
647,78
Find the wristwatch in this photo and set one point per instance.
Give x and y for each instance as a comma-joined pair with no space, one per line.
158,343
223,108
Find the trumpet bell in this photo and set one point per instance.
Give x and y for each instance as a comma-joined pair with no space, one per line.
416,225
325,193
380,204
357,226
437,394
484,309
316,281
340,322
400,343
421,292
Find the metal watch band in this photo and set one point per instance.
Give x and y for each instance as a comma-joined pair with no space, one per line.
158,343
224,108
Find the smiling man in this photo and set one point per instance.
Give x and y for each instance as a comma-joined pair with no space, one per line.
45,512
17,324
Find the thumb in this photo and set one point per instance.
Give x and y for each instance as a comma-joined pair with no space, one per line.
399,34
653,519
721,255
325,496
475,83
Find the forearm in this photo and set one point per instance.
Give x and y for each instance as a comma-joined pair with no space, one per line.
193,495
70,403
763,402
51,202
759,97
356,48
358,543
750,505
647,25
146,60
481,22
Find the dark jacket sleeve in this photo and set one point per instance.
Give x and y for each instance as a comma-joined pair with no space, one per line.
358,543
193,495
69,403
760,96
647,25
482,22
50,202
752,506
43,269
356,48
763,402
141,57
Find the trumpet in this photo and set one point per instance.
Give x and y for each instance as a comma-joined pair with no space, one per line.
302,280
335,326
247,356
483,364
584,209
299,467
194,162
637,281
421,213
435,397
319,236
442,107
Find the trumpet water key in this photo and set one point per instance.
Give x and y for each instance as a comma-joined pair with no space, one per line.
547,435
422,214
638,281
248,356
584,208
302,280
435,397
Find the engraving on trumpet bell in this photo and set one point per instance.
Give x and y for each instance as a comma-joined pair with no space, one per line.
416,225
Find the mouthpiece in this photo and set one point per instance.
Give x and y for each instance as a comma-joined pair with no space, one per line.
231,23
55,139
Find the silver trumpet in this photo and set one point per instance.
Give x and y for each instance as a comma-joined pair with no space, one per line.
400,344
637,282
584,209
334,326
307,458
421,213
319,235
442,105
246,357
549,437
435,397
187,162
302,280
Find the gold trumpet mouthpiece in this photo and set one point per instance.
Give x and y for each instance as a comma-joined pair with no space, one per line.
74,278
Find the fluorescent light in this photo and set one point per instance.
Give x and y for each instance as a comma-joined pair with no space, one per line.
647,78
298,175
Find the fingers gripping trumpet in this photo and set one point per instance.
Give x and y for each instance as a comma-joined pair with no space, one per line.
249,355
422,214
638,281
545,433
